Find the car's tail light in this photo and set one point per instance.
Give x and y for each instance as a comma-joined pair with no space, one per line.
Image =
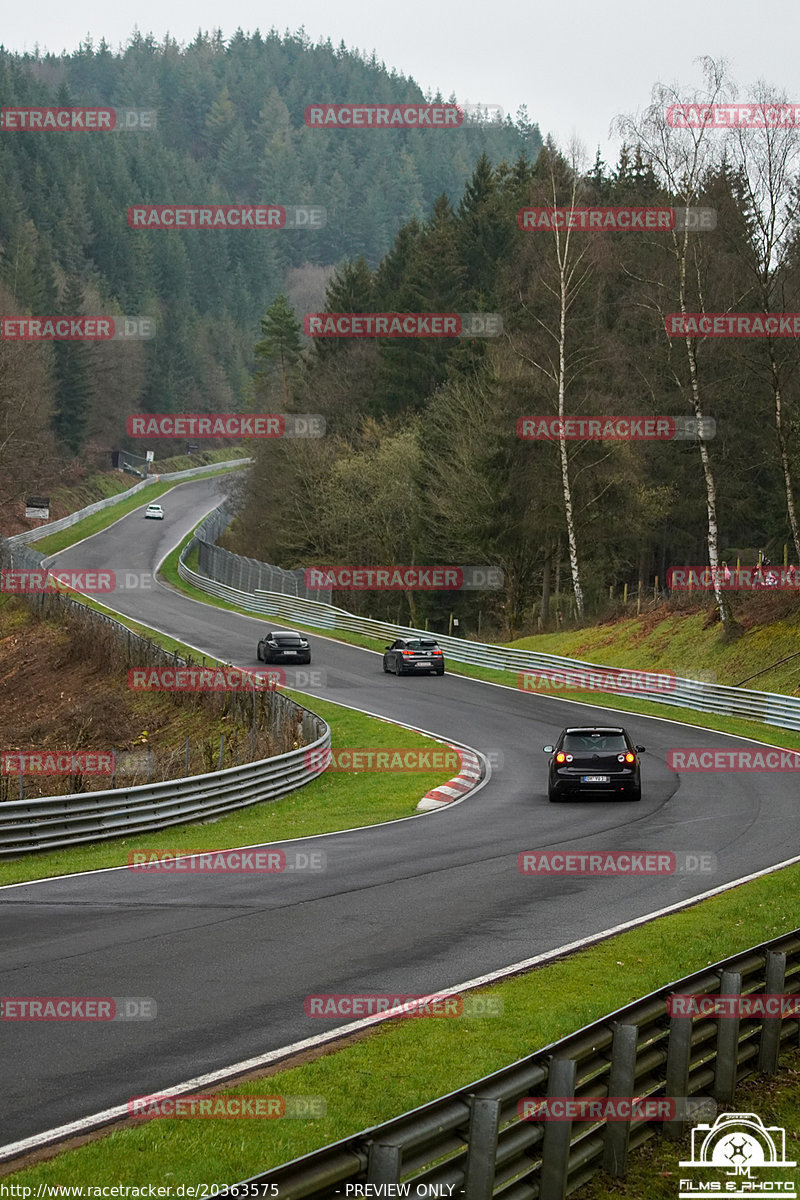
561,757
435,652
408,654
630,757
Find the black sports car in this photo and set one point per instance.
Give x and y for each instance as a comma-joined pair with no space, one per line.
412,655
284,646
594,761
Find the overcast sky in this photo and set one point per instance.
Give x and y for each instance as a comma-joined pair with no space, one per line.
574,63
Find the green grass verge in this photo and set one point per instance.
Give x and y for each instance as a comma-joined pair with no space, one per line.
107,516
406,1063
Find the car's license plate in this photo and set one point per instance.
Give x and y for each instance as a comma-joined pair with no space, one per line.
290,652
595,779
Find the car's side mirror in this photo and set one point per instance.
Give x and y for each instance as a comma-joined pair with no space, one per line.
548,749
387,647
640,749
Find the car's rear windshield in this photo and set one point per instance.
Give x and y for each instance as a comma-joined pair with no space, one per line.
421,644
286,637
594,743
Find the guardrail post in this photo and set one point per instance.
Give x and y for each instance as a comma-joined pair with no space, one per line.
383,1165
770,1041
484,1121
557,1134
621,1082
730,984
679,1050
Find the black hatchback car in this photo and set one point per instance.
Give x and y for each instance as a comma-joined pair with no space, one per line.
413,655
284,646
594,761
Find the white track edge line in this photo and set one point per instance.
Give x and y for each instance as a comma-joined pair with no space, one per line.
95,1120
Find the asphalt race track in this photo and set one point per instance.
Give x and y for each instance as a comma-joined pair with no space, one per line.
409,907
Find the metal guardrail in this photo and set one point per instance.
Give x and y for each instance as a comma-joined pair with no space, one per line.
49,822
246,574
476,1141
33,535
771,708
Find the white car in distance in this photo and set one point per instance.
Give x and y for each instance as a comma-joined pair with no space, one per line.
154,512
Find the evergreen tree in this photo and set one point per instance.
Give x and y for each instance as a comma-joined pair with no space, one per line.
281,343
73,385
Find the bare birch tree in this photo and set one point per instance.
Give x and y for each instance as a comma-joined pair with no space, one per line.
683,158
768,162
559,365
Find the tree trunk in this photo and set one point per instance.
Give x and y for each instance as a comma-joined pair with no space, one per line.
565,483
787,472
545,618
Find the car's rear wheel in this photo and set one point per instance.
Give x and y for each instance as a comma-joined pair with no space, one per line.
438,671
385,668
258,654
637,795
554,797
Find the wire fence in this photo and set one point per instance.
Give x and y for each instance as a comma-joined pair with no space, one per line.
262,723
534,671
246,574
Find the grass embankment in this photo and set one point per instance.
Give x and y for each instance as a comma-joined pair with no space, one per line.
87,701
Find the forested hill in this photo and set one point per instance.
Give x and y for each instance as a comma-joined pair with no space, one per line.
230,128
